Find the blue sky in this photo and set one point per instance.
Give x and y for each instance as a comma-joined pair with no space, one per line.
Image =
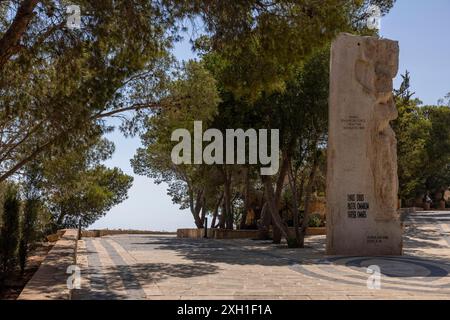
423,31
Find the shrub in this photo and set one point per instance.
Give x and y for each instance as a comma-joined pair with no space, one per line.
9,236
28,230
315,221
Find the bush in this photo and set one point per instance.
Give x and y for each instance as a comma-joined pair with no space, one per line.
9,236
315,221
28,230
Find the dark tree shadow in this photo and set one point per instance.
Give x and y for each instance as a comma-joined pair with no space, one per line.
235,252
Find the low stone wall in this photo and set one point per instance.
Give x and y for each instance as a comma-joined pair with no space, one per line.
50,280
217,234
191,233
322,231
236,234
102,233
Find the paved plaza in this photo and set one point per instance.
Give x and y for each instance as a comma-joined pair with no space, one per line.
164,267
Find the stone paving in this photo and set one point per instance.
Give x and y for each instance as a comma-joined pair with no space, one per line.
164,267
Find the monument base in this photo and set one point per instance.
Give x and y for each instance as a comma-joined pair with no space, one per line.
382,239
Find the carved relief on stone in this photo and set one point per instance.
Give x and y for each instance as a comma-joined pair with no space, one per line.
375,70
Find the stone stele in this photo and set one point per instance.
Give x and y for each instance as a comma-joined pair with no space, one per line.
362,181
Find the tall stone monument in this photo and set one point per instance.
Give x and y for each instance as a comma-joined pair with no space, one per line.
362,182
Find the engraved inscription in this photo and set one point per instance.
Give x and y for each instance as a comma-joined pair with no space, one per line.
357,206
353,123
376,239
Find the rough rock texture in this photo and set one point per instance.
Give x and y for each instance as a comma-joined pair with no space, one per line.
362,181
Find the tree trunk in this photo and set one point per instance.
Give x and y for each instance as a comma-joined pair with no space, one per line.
222,217
276,234
216,211
273,208
246,199
196,207
276,196
10,42
299,240
227,199
60,218
203,215
308,193
264,222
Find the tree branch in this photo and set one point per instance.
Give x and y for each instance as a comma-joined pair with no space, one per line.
24,161
132,108
43,147
9,43
21,141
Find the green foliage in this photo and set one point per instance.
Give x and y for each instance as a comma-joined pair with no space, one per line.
437,169
412,131
423,135
197,98
28,230
262,43
75,185
9,232
61,83
315,221
300,112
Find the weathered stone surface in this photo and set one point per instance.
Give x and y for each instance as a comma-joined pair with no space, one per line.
362,181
